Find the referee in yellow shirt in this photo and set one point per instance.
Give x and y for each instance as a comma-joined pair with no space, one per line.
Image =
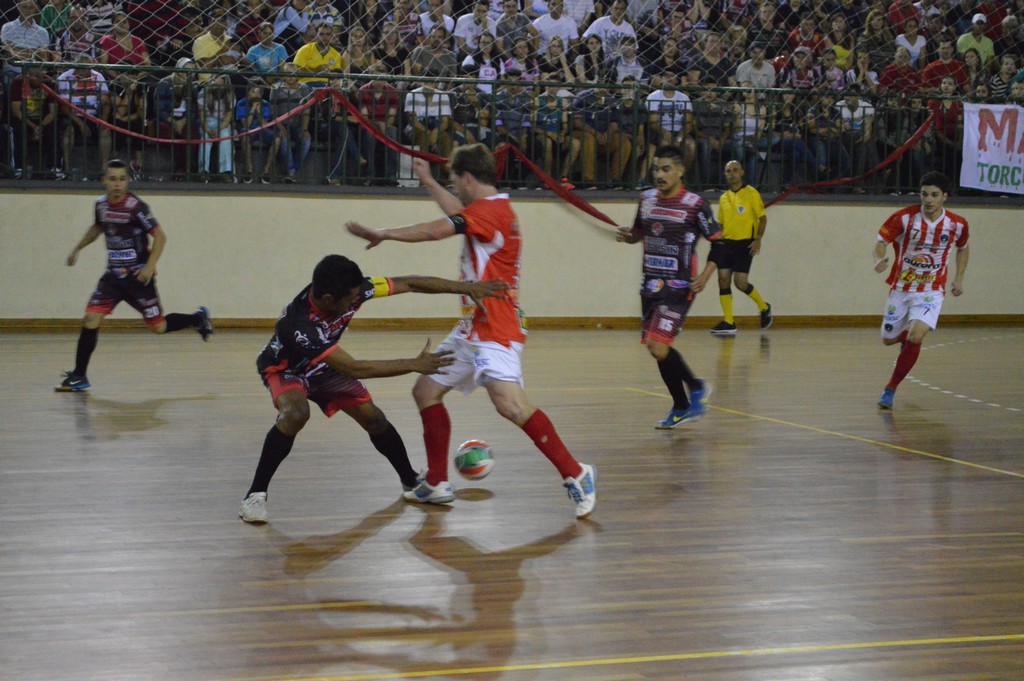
741,214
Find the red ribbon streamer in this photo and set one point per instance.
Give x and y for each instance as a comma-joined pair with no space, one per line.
889,160
501,152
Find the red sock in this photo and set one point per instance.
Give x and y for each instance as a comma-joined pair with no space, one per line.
543,433
437,435
904,363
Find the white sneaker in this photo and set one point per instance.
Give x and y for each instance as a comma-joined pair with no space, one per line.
582,490
425,493
254,508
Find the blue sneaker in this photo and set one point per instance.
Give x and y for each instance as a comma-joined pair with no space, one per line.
678,417
699,398
885,401
583,490
205,328
73,383
425,493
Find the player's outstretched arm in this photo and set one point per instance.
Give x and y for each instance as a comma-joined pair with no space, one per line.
426,363
423,231
90,235
477,290
447,201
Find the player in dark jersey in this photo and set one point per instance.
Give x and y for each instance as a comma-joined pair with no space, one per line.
127,224
670,220
303,362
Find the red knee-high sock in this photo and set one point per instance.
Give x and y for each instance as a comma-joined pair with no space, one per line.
437,435
543,433
904,363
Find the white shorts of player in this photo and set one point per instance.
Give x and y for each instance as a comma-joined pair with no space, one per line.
480,362
904,307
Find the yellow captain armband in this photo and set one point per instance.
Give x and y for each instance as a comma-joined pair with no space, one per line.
382,286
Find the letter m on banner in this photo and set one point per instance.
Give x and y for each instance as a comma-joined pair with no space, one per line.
993,148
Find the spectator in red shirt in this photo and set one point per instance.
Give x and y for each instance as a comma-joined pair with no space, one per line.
378,102
805,36
900,11
121,47
949,128
899,76
945,65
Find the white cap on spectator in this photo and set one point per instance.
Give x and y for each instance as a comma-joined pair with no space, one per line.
184,63
979,18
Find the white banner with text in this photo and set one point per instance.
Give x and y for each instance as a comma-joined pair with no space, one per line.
993,148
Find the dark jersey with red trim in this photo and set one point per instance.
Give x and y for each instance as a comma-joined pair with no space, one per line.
304,336
670,227
126,226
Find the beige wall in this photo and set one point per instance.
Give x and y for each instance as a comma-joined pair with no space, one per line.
246,256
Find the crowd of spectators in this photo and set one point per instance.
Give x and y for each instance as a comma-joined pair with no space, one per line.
825,86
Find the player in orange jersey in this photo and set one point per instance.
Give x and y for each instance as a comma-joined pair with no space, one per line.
923,238
488,343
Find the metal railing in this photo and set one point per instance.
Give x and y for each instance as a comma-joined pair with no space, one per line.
601,138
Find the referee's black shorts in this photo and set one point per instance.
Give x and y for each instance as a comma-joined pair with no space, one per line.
732,254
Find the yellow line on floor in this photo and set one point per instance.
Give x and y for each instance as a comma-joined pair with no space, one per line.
263,608
847,436
647,659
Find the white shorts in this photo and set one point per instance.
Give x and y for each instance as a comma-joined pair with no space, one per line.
904,307
480,362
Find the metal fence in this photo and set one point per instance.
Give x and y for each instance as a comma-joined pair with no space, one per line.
600,138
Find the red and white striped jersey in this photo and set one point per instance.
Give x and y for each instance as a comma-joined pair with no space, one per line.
922,248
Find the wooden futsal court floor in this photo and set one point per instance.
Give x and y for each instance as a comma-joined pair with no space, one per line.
795,533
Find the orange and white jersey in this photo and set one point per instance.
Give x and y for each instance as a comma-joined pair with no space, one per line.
922,248
492,250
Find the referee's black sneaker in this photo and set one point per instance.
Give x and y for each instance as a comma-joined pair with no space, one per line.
724,329
766,316
205,328
73,383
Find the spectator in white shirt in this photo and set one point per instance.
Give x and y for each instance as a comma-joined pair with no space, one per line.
612,28
468,28
556,23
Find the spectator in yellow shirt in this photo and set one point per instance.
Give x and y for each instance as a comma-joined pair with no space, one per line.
215,49
318,57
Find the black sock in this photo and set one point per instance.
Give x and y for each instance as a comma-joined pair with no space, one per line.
275,449
86,344
177,321
389,443
672,369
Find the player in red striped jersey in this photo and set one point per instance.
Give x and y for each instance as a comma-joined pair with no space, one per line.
923,238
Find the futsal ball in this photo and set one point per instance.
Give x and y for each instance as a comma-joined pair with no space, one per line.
474,459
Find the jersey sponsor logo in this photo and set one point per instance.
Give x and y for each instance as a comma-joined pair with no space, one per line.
660,246
302,339
116,217
654,285
922,261
657,228
667,213
677,283
656,262
909,276
691,199
126,254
